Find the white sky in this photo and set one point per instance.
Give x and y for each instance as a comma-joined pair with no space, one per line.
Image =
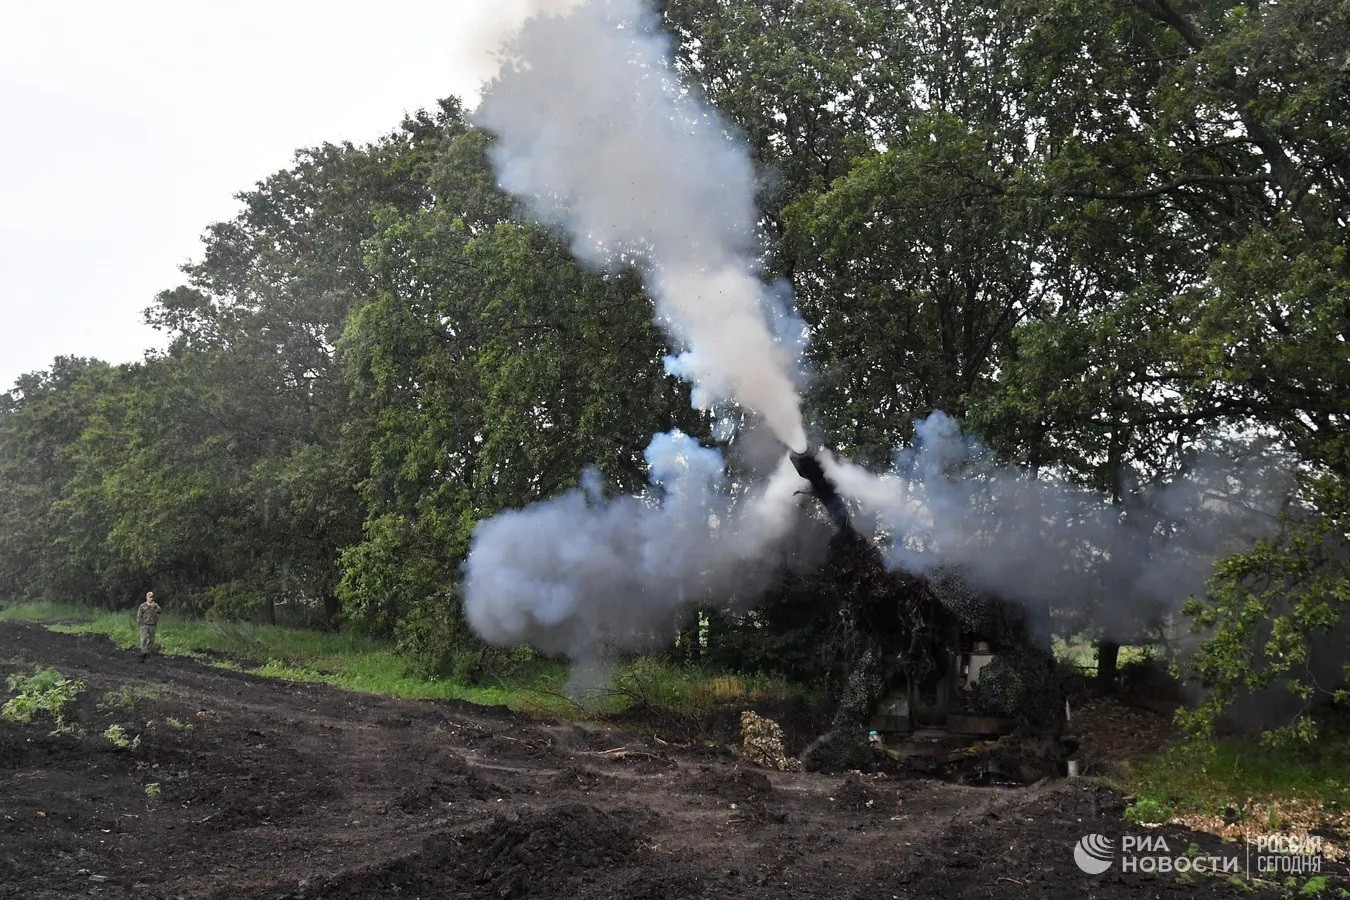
128,128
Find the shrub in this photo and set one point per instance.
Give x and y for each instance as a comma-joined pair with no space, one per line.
435,634
1148,811
46,690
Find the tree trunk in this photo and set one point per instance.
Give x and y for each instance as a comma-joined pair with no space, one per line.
1108,655
331,610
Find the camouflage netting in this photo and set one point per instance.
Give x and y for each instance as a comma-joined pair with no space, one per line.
762,743
845,746
1000,690
840,750
1021,684
896,628
861,694
998,621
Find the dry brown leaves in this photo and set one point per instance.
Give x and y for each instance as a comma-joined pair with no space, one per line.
1111,732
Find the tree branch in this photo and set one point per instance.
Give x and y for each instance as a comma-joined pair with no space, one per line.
1174,184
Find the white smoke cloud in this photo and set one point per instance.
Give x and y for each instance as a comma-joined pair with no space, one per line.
477,47
597,133
580,575
1046,542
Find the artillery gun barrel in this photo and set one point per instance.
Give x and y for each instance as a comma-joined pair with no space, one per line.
807,464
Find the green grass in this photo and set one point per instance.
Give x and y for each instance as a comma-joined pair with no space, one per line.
1248,787
363,664
45,612
1195,779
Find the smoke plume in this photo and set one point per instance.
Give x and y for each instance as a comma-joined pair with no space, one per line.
580,574
1048,543
486,28
597,133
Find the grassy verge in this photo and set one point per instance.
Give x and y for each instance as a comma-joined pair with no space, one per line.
1195,779
529,684
1241,789
46,613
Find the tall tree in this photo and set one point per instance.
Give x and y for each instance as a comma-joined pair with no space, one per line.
41,421
493,370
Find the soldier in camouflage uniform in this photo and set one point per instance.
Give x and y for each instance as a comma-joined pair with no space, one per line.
147,616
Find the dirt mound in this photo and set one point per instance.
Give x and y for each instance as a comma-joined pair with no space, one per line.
437,790
563,852
561,844
581,778
1111,731
450,779
860,796
737,785
523,746
638,761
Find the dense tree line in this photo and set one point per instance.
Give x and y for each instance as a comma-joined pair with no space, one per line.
1100,233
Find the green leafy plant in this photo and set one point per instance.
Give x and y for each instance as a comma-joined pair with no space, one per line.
1263,610
128,695
117,736
1148,811
1314,886
152,790
46,690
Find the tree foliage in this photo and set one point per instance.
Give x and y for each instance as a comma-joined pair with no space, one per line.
1106,235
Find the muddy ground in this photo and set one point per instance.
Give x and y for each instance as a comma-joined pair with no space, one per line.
283,790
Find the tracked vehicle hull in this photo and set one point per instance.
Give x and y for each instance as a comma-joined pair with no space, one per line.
941,677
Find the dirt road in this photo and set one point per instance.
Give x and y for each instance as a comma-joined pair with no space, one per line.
281,790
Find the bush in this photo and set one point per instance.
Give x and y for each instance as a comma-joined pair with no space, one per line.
231,601
1276,616
792,633
1148,811
46,690
435,634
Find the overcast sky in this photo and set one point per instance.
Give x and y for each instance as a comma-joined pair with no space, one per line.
128,128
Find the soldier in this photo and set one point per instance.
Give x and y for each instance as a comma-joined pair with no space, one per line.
147,616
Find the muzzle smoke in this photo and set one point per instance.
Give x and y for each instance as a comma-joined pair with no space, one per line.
1046,542
579,575
597,134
